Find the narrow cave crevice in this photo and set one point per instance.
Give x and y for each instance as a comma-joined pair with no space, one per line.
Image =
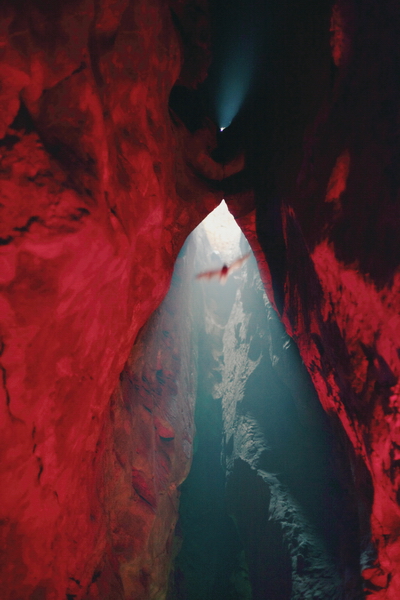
267,511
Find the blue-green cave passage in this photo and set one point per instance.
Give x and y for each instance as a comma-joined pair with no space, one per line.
267,511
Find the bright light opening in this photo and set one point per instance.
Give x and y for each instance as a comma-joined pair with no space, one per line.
225,249
223,232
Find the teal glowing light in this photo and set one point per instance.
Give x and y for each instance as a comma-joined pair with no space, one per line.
235,81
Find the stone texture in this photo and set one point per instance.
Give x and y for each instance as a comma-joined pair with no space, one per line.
271,479
97,198
149,448
101,184
334,177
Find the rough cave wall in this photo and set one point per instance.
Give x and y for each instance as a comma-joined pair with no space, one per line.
98,192
97,197
149,448
332,176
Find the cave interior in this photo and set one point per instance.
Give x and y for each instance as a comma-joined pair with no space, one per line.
199,300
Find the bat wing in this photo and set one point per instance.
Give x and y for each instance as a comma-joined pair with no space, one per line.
238,262
224,272
209,274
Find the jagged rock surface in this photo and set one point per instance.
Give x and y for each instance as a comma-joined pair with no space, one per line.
336,267
268,510
97,198
149,447
99,189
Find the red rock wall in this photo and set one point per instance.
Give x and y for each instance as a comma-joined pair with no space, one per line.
148,450
95,207
100,186
340,221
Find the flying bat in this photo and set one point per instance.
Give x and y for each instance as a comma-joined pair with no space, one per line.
224,272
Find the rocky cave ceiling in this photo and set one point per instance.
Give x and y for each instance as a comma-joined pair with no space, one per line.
110,155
